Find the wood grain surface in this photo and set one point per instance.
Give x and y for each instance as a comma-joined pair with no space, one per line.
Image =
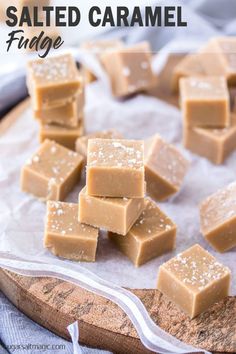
55,304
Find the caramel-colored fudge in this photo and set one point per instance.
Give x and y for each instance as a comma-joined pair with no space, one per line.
52,172
152,235
115,168
227,46
67,238
194,280
112,214
52,81
98,48
129,69
218,218
190,65
64,136
66,115
214,144
205,102
220,58
165,168
213,63
82,143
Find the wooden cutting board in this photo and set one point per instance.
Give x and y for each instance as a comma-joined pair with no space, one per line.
55,304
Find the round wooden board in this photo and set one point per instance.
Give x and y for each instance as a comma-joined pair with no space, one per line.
55,304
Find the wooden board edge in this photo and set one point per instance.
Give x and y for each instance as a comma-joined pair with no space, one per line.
90,335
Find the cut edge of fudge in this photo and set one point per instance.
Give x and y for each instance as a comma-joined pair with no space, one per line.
132,238
127,209
221,233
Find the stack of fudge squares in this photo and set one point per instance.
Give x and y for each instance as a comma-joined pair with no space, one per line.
114,199
57,94
129,68
206,83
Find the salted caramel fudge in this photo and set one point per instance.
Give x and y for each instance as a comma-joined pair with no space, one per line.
82,143
194,280
98,48
165,168
129,69
214,144
152,235
220,58
52,81
190,65
67,114
212,59
218,218
65,236
115,168
52,172
205,102
65,136
112,214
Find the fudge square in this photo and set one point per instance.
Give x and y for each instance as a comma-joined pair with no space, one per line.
82,143
165,168
129,69
214,144
112,214
52,172
220,58
152,235
97,48
66,136
190,65
65,115
194,280
205,101
115,168
218,218
65,237
53,80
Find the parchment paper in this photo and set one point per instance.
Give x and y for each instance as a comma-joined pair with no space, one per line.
22,216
